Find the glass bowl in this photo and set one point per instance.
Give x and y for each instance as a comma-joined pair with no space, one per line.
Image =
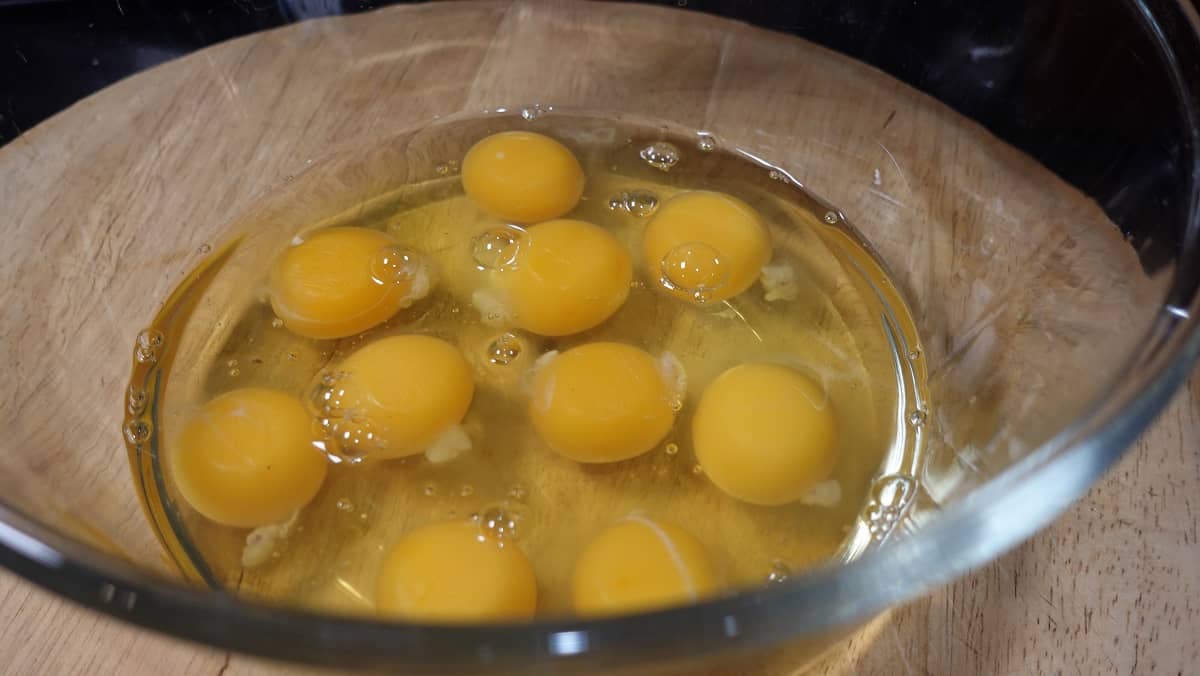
1027,172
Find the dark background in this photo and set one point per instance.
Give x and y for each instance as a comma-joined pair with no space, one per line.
1075,83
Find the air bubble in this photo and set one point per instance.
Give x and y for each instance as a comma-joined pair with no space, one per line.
497,248
276,323
235,372
137,431
430,490
136,400
706,143
353,438
914,355
697,469
394,265
447,168
693,270
890,497
504,349
831,217
660,155
779,572
672,448
148,346
776,175
640,203
517,492
203,248
344,505
466,491
499,523
534,112
917,418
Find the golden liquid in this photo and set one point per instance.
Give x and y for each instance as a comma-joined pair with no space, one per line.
846,327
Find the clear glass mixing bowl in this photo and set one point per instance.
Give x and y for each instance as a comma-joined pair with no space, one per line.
1028,171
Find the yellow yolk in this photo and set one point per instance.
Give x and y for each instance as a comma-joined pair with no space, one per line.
409,389
448,572
569,277
246,459
640,564
601,402
765,433
522,177
706,242
341,281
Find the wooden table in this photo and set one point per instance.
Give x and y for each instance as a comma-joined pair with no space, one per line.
1112,587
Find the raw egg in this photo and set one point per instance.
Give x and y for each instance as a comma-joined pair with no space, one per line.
246,459
642,564
603,402
705,246
449,572
409,390
765,433
338,282
569,277
522,177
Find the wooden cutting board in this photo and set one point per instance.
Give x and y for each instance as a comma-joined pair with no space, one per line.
1111,587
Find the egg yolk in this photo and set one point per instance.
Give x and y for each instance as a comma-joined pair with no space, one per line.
705,245
569,277
410,389
448,572
246,459
341,281
601,402
522,177
765,433
641,564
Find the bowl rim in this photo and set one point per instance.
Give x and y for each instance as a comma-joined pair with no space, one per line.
997,516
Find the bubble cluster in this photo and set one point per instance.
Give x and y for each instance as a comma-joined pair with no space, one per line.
394,265
344,505
447,168
276,323
466,491
345,435
779,572
137,431
660,155
533,112
639,203
517,492
500,523
136,400
693,270
429,490
890,497
148,346
204,248
504,349
497,248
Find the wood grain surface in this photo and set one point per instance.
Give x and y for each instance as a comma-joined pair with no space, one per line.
141,176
